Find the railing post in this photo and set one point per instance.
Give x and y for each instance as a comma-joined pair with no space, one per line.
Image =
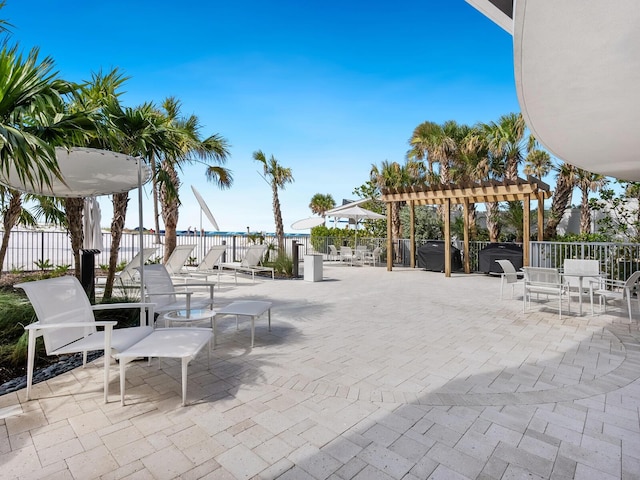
295,258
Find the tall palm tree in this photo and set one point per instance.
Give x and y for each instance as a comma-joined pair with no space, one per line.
565,183
320,203
587,182
135,132
394,175
277,176
212,151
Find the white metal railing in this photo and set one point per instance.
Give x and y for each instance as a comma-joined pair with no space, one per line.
29,248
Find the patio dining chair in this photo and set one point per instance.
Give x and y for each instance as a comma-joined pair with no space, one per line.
68,325
547,282
348,255
509,275
607,289
373,257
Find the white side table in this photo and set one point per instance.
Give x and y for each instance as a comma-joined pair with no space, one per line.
181,317
246,308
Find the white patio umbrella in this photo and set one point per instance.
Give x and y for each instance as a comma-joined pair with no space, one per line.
204,209
306,223
355,212
88,172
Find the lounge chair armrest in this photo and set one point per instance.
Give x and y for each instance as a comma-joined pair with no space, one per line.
168,293
196,284
40,326
115,306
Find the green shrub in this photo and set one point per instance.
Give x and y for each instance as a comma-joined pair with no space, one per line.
284,265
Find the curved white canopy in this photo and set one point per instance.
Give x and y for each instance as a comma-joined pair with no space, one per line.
309,222
577,71
205,209
86,172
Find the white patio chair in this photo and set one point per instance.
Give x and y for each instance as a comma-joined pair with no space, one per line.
544,281
509,275
373,257
176,261
334,254
160,290
607,289
251,262
128,277
347,255
207,266
68,325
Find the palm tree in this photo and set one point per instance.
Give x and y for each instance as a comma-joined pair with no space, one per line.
135,132
538,163
320,203
565,183
32,121
587,182
394,175
425,142
277,176
185,133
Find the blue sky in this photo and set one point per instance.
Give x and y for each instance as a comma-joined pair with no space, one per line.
329,88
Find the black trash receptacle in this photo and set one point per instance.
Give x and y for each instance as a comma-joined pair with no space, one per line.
88,273
431,256
499,251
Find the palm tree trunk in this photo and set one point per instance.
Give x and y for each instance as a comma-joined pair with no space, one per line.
277,216
493,221
585,213
156,201
472,221
170,210
74,209
560,202
120,202
9,220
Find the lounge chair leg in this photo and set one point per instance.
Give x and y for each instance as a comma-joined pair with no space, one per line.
31,353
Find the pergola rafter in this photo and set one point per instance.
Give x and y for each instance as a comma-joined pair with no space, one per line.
465,194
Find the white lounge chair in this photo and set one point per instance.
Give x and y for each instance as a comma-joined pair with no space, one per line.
251,262
67,323
160,290
128,277
176,261
607,289
509,275
208,264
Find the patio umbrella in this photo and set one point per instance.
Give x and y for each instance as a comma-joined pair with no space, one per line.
91,225
356,213
88,172
306,223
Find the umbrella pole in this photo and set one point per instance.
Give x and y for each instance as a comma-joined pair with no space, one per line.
140,233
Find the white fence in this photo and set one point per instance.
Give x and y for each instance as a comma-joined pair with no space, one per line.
30,250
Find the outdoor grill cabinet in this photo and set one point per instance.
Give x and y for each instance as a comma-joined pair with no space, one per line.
499,251
431,256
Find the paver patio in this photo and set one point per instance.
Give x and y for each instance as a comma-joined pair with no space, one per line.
367,375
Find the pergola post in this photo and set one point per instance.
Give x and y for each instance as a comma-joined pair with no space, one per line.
412,235
465,212
447,237
526,230
389,239
540,196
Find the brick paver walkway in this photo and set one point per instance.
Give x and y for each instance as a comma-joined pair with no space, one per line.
366,375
